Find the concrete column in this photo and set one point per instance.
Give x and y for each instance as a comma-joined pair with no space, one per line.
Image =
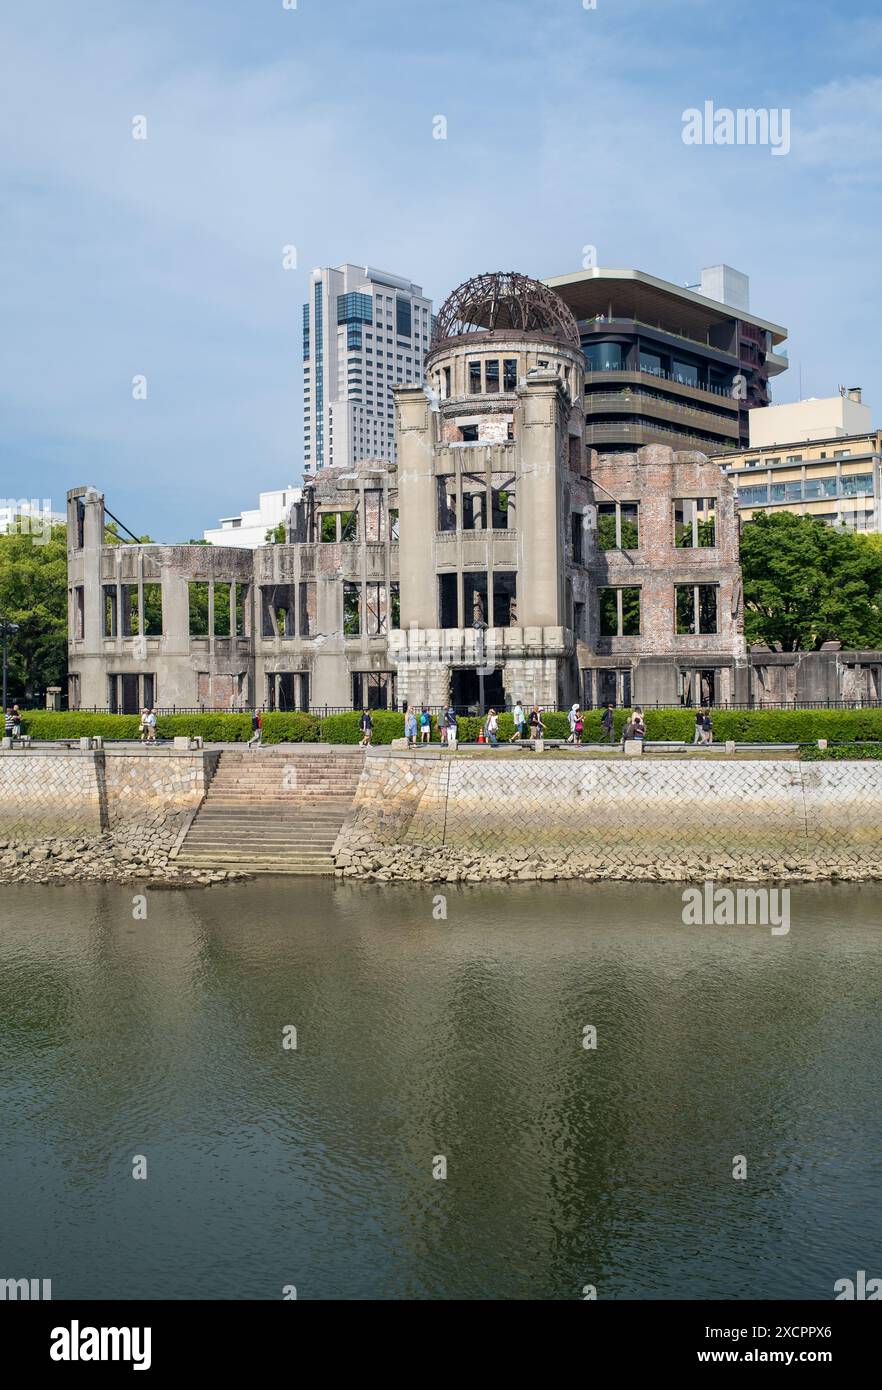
416,508
541,600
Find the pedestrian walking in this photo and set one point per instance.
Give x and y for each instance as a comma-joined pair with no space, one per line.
151,725
607,724
367,728
410,728
492,728
256,730
452,728
142,724
707,728
537,728
520,724
425,726
16,722
638,725
699,726
572,719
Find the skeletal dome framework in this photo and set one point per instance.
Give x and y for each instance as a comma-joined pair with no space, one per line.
504,301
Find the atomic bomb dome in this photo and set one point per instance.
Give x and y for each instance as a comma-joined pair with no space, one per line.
505,301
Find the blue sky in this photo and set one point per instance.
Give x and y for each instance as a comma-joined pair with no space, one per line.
312,127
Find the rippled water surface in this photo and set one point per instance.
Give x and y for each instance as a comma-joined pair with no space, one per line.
417,1038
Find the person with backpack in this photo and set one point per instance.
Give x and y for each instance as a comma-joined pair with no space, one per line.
425,726
256,730
707,728
638,725
367,728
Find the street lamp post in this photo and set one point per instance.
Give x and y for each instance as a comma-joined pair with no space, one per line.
480,628
7,629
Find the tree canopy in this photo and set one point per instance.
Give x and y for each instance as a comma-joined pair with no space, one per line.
806,583
33,594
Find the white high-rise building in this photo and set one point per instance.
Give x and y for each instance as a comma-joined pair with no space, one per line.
363,332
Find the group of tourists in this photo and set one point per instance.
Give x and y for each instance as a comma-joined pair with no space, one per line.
418,726
12,726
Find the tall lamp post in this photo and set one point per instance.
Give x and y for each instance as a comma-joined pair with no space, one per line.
7,629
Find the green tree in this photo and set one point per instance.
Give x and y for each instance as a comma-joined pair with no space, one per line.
806,583
33,593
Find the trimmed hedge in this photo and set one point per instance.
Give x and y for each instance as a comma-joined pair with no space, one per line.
345,728
289,728
675,725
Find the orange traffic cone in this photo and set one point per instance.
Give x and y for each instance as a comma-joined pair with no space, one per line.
481,738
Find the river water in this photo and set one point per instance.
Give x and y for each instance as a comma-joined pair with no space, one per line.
419,1038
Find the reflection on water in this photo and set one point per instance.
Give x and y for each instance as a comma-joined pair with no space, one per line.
420,1037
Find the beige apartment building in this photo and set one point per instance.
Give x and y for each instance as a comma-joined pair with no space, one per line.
817,457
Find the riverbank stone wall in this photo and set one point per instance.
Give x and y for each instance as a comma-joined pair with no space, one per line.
636,818
49,792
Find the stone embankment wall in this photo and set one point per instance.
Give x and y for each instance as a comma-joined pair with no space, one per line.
478,818
112,815
63,792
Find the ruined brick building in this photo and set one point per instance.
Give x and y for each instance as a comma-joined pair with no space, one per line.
499,559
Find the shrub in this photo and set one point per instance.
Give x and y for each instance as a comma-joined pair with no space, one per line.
289,727
846,727
345,728
49,724
215,726
841,752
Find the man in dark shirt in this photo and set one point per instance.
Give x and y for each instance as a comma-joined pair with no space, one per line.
607,724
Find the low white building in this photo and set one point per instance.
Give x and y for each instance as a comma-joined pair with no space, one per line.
29,517
249,529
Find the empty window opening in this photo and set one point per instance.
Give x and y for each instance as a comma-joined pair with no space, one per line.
695,522
448,614
696,608
619,612
618,525
351,609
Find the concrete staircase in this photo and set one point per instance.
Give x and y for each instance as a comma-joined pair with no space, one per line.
274,810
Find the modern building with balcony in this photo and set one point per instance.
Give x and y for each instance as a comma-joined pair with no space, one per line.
817,457
670,365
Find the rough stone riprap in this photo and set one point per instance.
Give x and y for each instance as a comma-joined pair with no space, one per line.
136,852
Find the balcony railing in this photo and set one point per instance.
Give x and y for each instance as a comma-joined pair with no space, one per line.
629,373
630,433
640,401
